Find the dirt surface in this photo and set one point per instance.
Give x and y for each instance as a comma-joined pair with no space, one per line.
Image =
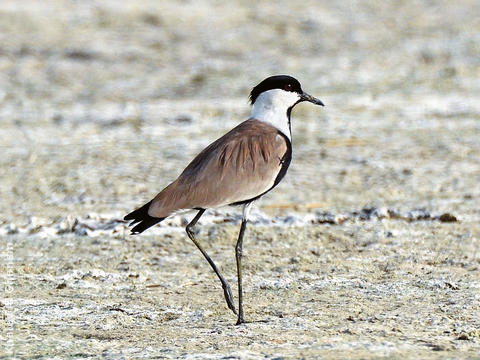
369,248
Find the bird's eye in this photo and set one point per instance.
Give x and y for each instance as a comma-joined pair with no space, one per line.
288,87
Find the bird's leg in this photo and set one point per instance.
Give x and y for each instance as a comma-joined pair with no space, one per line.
227,291
238,256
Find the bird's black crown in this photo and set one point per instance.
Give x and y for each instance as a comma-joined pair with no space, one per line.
284,82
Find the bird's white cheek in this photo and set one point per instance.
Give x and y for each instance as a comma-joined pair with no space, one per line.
271,107
286,99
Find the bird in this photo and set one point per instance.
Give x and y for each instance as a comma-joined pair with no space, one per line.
236,169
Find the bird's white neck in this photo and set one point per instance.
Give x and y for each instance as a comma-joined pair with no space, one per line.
271,107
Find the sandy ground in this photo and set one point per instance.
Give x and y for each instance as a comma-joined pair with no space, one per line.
369,248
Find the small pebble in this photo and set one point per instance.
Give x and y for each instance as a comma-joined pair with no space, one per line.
447,217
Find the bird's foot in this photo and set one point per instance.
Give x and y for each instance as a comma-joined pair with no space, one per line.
227,291
240,320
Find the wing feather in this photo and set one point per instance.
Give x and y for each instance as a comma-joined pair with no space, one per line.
241,165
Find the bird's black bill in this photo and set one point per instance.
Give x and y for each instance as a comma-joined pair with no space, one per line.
310,98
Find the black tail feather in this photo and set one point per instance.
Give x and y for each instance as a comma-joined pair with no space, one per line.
141,217
138,214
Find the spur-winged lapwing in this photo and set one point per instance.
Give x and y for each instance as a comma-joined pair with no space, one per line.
237,169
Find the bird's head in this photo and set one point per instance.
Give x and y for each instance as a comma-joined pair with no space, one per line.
274,98
281,90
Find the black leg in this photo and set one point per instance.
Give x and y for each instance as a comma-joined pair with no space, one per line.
238,256
227,291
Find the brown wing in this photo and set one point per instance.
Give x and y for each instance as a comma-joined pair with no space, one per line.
241,165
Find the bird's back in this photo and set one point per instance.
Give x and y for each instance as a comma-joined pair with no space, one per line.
238,167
